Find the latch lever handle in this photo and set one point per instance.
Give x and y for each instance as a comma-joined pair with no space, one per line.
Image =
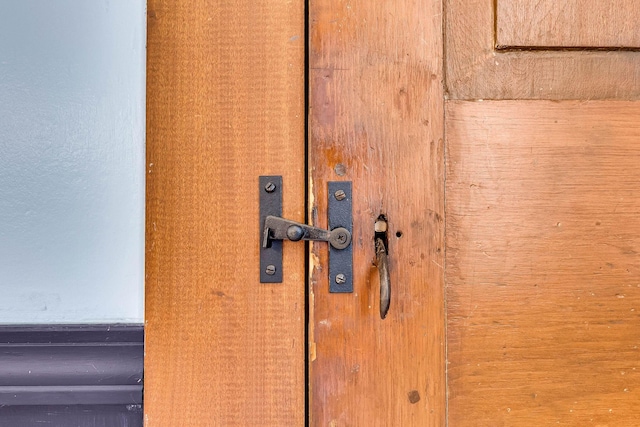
276,228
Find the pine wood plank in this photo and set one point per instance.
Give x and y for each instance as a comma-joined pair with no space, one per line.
568,23
225,105
543,278
477,70
376,108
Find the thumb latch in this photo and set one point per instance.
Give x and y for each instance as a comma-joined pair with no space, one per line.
275,229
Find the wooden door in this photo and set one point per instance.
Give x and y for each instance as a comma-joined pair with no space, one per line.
507,188
510,192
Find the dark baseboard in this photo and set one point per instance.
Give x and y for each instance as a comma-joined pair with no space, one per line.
72,416
70,372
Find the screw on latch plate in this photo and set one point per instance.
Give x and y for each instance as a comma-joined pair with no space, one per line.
340,195
270,187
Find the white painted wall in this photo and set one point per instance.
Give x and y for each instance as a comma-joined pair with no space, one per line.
72,126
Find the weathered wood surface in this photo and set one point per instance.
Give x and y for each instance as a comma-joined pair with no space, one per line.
225,105
376,117
542,264
477,70
568,23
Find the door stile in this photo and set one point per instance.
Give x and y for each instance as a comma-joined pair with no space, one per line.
225,105
376,118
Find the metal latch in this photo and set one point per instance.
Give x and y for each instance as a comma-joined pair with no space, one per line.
275,229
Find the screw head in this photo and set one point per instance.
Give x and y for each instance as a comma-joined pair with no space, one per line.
270,187
339,195
341,278
340,238
270,270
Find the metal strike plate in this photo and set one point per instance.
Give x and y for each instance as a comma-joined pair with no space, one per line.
271,253
340,216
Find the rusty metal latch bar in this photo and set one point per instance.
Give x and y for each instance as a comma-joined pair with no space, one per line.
276,228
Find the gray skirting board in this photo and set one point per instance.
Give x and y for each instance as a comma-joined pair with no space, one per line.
71,375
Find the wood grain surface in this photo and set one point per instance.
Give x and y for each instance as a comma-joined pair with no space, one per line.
376,118
225,105
543,272
568,23
477,70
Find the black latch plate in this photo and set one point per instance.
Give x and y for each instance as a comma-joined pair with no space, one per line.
270,204
340,215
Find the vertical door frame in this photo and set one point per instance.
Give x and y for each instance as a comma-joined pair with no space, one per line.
226,104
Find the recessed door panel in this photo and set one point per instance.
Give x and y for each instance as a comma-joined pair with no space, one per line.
569,23
542,273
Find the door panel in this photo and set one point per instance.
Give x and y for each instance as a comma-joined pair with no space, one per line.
543,279
376,118
478,68
568,23
225,105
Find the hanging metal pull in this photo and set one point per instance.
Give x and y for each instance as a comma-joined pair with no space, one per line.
385,284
